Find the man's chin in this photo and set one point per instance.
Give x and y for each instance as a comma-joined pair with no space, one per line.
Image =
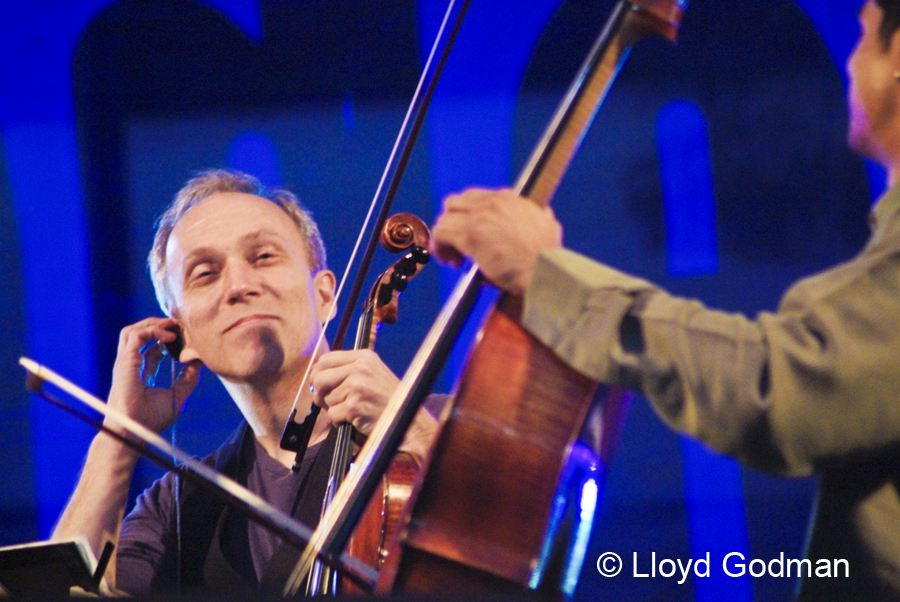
861,144
261,365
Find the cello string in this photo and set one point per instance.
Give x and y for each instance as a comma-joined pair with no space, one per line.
402,136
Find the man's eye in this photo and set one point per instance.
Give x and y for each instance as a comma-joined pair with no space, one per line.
201,275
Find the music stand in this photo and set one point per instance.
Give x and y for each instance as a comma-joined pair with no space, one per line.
50,569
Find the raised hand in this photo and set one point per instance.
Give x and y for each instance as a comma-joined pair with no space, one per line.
134,391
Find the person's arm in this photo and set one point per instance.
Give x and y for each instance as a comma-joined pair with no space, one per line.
97,506
148,541
789,392
701,369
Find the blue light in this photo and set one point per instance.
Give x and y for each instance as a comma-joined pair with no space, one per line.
690,211
254,152
590,494
712,484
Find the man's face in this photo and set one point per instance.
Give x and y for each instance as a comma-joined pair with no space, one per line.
244,294
872,94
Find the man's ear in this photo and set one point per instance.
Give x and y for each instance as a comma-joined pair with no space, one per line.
187,351
323,285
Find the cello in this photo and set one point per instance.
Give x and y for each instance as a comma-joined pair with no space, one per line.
507,439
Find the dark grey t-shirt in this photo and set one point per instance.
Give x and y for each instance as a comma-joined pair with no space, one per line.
277,484
149,532
148,539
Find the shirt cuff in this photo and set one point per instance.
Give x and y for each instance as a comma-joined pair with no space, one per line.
575,306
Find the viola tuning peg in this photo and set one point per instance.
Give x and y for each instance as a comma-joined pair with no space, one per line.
399,281
421,255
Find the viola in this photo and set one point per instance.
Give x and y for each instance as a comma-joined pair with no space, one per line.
380,523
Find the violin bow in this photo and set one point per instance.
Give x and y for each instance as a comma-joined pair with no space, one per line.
295,436
161,452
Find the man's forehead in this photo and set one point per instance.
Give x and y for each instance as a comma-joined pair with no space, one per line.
229,206
235,210
231,218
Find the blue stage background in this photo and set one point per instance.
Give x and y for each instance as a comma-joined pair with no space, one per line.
717,168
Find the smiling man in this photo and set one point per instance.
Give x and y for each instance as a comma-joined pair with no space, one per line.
242,271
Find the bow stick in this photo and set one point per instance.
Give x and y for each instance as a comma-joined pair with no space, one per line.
295,436
160,451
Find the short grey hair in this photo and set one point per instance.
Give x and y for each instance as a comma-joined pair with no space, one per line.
210,183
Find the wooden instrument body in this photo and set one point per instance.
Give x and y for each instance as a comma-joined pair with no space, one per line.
481,519
508,453
382,519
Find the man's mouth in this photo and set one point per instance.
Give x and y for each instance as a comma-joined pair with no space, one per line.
248,320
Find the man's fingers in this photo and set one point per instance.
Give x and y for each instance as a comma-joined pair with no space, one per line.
334,368
133,338
349,413
332,359
325,381
186,381
448,239
152,358
470,199
446,253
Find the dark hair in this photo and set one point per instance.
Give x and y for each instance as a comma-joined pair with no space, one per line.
891,20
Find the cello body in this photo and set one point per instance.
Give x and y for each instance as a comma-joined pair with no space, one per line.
510,445
487,517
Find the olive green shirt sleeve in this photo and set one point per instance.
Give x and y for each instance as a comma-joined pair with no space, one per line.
814,382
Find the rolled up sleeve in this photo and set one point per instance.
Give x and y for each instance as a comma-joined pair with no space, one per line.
814,382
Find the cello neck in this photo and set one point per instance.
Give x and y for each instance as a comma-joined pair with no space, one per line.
629,22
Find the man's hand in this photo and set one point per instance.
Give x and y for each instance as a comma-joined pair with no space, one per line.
355,387
501,231
134,391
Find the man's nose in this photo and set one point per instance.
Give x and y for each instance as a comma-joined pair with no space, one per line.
241,282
